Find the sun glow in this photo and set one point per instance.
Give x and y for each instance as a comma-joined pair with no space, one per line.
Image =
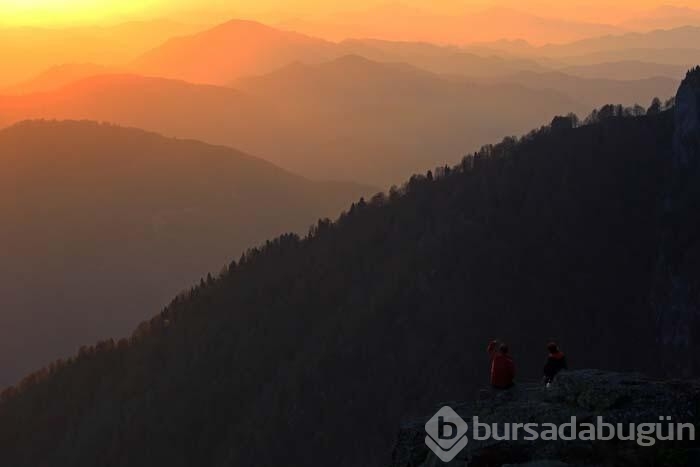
59,12
72,12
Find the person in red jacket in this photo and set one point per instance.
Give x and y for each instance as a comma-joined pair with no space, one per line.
502,366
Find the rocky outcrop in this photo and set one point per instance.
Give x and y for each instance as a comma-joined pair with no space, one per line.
686,144
676,291
585,394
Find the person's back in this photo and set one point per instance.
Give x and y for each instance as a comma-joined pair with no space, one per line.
502,366
556,361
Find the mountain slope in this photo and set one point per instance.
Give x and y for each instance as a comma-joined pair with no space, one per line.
103,224
319,346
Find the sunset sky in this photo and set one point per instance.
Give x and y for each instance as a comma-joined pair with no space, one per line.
62,12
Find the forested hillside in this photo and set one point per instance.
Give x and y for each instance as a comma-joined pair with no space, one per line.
309,350
102,226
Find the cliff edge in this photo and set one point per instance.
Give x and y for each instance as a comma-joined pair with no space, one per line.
617,398
676,291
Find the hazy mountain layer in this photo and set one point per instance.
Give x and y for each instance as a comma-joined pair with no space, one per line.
350,119
27,51
101,225
596,92
230,50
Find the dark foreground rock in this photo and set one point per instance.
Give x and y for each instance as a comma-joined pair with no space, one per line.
584,394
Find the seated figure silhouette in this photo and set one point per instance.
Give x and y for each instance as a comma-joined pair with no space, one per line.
502,366
556,361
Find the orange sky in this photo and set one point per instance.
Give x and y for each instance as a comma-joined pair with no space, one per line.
62,12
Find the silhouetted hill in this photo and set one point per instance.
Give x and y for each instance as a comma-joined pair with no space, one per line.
101,225
349,119
308,351
230,50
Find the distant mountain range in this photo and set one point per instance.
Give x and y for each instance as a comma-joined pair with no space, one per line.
627,70
399,22
664,17
596,92
213,56
28,51
685,37
102,225
224,115
231,50
439,59
216,55
351,118
675,46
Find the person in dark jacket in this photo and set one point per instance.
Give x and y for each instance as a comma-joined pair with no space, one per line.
556,361
502,366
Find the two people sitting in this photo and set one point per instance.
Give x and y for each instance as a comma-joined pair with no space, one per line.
503,367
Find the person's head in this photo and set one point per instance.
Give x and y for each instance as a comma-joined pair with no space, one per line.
552,347
503,348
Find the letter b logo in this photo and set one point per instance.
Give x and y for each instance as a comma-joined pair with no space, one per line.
446,434
446,430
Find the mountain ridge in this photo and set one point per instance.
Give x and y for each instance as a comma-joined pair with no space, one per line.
113,221
206,57
332,138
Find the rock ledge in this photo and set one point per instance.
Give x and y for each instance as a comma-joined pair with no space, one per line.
584,394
